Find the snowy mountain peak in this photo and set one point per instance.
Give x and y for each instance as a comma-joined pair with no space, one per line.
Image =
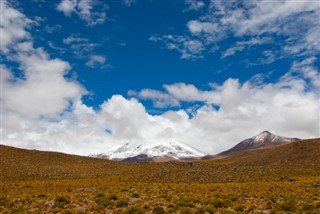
262,140
263,135
170,150
267,137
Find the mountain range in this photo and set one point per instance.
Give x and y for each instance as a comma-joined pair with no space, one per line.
133,152
145,152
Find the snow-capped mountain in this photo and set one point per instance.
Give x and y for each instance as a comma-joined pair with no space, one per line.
262,140
150,152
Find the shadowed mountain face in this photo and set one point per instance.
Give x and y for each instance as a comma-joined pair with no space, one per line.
263,140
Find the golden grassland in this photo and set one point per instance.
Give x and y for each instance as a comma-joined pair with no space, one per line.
286,181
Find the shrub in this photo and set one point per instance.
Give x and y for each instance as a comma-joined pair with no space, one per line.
185,210
122,202
239,208
183,202
287,205
61,201
218,203
101,200
136,195
4,201
158,210
113,197
210,209
42,195
307,207
200,210
134,210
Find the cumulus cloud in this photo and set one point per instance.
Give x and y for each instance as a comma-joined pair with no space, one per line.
12,27
249,107
86,10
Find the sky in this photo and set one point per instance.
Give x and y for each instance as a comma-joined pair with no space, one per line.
83,77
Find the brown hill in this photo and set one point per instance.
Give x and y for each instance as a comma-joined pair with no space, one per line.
18,163
303,152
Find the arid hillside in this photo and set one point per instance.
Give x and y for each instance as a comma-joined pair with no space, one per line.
303,152
21,163
262,164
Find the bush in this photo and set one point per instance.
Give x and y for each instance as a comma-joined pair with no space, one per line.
185,210
183,202
101,200
4,201
42,195
136,195
113,197
218,203
158,210
287,205
200,210
61,201
134,210
122,202
307,207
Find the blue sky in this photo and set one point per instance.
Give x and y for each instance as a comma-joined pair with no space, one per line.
206,73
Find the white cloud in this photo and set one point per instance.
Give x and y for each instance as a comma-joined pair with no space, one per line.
129,3
42,90
194,4
197,27
67,6
248,108
175,94
74,39
95,60
294,23
53,28
81,47
86,10
231,51
242,45
160,99
188,48
12,26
